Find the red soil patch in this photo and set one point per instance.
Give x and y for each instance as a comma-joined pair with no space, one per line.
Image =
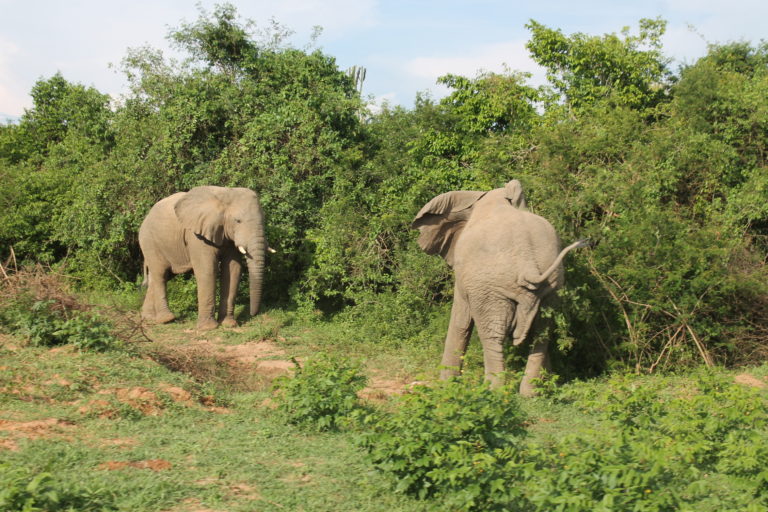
153,464
247,366
245,491
750,380
177,394
8,444
139,398
35,429
380,387
260,356
119,442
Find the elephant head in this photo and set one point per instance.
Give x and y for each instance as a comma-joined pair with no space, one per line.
218,214
441,221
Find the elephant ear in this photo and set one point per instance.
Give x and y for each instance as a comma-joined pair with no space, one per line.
203,213
513,192
441,220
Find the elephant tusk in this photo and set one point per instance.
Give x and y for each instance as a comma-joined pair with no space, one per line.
242,249
271,250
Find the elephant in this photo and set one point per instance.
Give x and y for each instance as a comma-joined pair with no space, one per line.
505,260
207,230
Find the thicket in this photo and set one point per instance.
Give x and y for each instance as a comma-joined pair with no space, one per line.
656,447
24,492
664,168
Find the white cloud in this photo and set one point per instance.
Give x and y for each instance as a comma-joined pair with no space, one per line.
719,21
684,44
376,103
497,57
335,16
13,97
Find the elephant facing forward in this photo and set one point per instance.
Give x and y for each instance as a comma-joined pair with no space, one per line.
506,260
207,230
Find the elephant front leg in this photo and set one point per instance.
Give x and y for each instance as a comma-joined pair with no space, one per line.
459,332
205,273
231,269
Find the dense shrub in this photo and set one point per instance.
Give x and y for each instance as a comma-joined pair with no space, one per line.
655,447
35,305
664,170
451,442
322,393
21,491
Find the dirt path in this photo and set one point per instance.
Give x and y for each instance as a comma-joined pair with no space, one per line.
251,365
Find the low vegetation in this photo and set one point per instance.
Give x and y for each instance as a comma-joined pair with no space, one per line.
127,428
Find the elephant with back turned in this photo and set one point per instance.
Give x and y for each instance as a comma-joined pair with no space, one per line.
207,230
506,260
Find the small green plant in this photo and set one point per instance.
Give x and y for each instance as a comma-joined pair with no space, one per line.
21,491
86,332
321,394
43,324
452,441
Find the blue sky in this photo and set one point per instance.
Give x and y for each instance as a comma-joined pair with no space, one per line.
404,45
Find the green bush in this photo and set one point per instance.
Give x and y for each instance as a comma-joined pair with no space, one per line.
46,325
322,394
450,442
655,447
659,448
664,170
21,491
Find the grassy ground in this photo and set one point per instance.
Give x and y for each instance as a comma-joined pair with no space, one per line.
183,421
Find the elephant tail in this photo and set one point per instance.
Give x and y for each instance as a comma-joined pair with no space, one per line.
532,283
145,282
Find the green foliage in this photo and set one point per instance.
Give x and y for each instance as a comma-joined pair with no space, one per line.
665,170
656,448
322,394
451,442
628,70
665,448
21,491
44,324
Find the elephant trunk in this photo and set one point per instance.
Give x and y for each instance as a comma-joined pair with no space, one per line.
255,263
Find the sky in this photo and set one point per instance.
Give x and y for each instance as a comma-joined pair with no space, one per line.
405,45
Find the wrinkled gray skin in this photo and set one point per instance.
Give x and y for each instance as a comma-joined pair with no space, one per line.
204,230
506,260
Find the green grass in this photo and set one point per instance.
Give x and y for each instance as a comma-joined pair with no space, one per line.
244,458
227,449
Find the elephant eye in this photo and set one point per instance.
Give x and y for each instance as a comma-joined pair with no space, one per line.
238,221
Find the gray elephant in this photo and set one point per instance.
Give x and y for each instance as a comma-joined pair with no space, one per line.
203,230
506,260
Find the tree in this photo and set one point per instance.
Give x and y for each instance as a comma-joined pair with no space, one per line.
628,70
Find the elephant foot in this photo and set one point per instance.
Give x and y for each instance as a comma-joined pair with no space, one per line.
229,321
495,380
449,372
207,324
162,318
527,389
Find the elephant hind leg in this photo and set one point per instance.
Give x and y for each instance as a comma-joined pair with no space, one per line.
155,308
493,324
459,332
525,314
537,359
